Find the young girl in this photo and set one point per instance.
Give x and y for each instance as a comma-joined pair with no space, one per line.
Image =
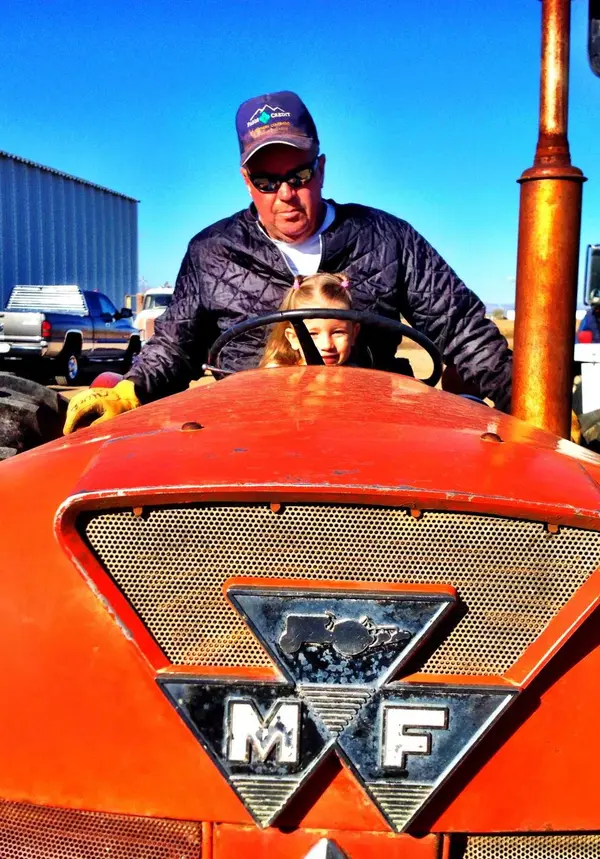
334,338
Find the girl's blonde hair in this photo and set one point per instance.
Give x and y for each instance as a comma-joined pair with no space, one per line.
310,291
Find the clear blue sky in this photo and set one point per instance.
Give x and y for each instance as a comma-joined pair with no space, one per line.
427,109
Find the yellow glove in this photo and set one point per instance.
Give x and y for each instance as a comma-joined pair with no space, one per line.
575,429
106,403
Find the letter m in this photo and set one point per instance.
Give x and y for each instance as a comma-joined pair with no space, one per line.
252,736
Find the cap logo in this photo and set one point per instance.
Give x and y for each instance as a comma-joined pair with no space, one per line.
266,113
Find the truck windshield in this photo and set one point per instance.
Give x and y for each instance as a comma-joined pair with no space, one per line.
156,301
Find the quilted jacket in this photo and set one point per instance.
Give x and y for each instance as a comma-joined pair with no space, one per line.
232,271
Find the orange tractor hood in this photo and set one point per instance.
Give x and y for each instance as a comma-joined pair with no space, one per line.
347,431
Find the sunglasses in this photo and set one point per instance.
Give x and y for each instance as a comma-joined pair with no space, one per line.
270,183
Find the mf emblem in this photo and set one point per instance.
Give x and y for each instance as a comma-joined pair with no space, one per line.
337,652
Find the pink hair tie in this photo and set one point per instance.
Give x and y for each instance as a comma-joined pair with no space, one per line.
345,283
296,283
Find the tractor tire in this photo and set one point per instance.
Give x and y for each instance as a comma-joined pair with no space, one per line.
590,429
11,385
30,415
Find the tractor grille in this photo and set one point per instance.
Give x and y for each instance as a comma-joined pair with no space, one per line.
532,847
512,575
34,832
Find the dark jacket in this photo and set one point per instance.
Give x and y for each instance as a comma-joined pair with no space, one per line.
232,271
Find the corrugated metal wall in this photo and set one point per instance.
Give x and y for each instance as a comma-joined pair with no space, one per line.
55,229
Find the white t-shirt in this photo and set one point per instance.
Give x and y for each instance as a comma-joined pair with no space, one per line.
305,258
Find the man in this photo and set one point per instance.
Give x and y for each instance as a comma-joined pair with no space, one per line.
242,266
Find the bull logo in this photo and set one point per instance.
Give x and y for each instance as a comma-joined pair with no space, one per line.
337,653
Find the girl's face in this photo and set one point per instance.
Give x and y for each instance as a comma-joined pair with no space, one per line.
334,338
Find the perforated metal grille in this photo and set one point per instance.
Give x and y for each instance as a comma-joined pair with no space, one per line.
533,847
33,832
512,575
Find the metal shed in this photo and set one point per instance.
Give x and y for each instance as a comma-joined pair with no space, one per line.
57,229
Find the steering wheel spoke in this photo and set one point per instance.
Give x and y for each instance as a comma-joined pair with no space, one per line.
311,354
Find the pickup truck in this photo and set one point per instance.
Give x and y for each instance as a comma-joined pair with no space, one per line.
55,331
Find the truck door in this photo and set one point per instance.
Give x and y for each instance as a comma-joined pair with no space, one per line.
111,334
120,329
96,323
85,324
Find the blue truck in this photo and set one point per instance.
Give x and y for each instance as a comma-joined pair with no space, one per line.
55,332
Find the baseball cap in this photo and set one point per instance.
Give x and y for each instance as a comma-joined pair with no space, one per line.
277,117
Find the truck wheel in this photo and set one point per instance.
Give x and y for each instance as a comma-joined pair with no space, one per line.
68,368
132,350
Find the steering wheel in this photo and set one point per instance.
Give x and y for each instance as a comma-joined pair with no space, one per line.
311,354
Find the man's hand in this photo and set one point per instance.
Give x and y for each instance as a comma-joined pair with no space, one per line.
101,404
